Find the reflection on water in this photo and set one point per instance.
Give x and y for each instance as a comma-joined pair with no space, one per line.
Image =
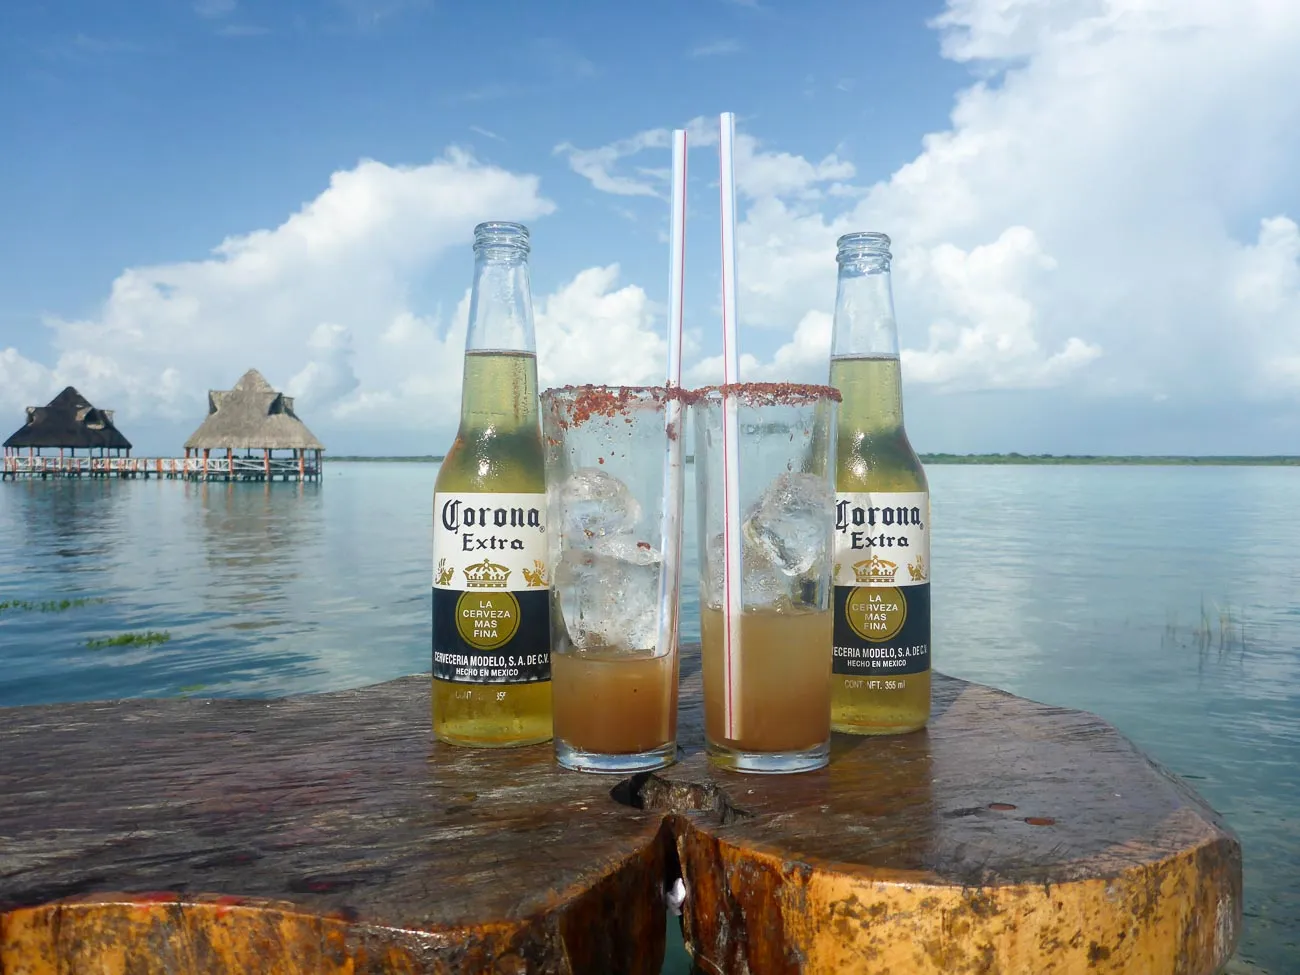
76,524
1163,599
255,544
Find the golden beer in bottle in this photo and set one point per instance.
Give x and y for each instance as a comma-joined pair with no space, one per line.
491,603
881,665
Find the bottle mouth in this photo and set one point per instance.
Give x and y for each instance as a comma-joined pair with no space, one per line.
863,246
499,235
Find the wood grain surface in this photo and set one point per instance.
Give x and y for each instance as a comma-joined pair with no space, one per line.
330,834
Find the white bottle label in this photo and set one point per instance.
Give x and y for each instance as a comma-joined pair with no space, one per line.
882,538
882,587
483,541
491,599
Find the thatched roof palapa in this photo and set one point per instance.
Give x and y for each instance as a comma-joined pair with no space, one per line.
252,416
69,420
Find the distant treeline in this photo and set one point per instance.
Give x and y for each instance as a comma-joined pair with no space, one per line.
1171,460
1013,458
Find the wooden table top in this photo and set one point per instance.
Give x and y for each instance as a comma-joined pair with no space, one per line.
329,833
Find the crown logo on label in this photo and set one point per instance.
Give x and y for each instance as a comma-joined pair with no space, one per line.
875,569
486,575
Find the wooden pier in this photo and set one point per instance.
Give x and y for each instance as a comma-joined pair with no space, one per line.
237,441
304,466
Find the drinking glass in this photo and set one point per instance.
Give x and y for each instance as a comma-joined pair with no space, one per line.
767,659
614,521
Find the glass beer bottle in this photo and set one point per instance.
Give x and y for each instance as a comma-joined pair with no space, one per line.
491,604
881,668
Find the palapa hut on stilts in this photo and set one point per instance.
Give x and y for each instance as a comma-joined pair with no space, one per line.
68,423
258,421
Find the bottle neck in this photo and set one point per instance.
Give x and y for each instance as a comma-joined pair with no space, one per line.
499,394
501,302
864,348
871,391
499,388
864,311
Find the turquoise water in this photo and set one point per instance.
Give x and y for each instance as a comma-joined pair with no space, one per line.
1166,600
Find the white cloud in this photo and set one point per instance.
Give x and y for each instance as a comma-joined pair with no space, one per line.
1110,213
306,301
89,48
759,174
330,375
23,382
214,8
1263,296
242,30
595,164
716,48
766,175
975,30
1071,227
590,332
560,60
1126,159
321,305
804,357
369,13
983,321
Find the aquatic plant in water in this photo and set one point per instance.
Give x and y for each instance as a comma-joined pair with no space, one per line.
149,638
46,605
1219,627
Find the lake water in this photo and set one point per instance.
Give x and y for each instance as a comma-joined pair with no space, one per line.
1166,599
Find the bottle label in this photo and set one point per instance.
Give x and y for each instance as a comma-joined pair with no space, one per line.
882,583
491,601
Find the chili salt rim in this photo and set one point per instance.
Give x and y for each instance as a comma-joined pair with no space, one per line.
573,406
766,394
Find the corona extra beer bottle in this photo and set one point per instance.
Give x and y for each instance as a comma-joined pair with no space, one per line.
491,604
881,669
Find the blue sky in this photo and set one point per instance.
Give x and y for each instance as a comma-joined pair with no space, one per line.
1088,224
149,131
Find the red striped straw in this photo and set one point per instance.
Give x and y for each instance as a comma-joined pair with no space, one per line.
671,517
733,605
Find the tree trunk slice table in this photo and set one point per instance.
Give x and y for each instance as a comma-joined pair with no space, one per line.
330,834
